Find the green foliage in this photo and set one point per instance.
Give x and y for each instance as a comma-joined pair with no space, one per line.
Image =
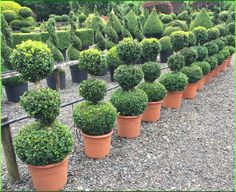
220,56
223,16
129,103
231,28
174,81
93,90
169,30
179,40
231,49
165,44
204,65
6,52
42,104
128,76
75,41
192,40
220,42
109,44
86,36
190,55
33,60
225,52
223,30
213,33
15,24
57,18
194,73
13,81
25,30
64,18
201,34
176,62
38,145
132,21
202,19
112,35
151,71
57,55
101,42
25,12
126,33
92,61
138,32
186,16
213,61
153,26
155,91
202,52
9,15
10,5
113,60
94,22
73,54
63,40
212,48
116,25
178,23
129,50
166,19
150,49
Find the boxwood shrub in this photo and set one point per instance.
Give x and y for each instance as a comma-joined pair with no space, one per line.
13,81
179,40
150,49
213,33
9,15
113,61
213,61
204,65
193,72
230,40
176,62
25,12
201,34
221,57
220,42
151,71
212,48
192,40
190,55
202,52
165,44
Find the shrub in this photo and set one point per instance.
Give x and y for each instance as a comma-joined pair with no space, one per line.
169,30
42,104
213,61
224,15
128,50
64,18
192,40
94,22
165,44
101,42
86,36
202,19
231,50
9,15
35,145
129,103
201,34
220,42
82,17
194,73
63,40
113,60
151,71
112,35
178,23
155,91
220,56
73,54
10,5
231,28
175,62
128,76
115,23
94,119
25,23
213,33
15,24
93,90
33,60
13,81
190,55
57,18
109,44
202,52
25,12
226,52
25,30
153,26
212,48
222,29
174,81
150,49
179,40
204,65
166,18
186,16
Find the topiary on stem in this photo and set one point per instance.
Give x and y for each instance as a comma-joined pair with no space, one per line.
194,73
190,55
201,34
179,40
151,71
176,62
150,49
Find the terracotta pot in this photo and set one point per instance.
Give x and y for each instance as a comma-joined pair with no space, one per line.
51,177
173,100
208,77
129,126
223,66
229,60
214,72
152,112
190,91
97,146
200,84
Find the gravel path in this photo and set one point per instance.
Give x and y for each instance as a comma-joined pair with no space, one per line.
188,149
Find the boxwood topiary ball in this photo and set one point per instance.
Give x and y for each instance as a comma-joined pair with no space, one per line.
230,40
212,48
204,65
179,40
151,71
220,56
220,42
213,33
150,49
42,104
128,76
95,119
201,34
190,55
176,62
93,90
194,73
202,52
231,50
113,60
213,61
129,103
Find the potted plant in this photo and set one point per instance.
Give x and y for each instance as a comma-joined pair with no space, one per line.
226,54
94,117
129,101
154,90
201,34
78,74
194,74
166,49
15,88
44,144
190,55
213,61
51,80
231,51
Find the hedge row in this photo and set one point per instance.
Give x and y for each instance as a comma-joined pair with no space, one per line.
86,36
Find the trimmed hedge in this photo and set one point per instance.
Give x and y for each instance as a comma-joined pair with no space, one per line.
20,37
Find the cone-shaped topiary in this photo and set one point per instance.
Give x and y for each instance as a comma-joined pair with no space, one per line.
165,44
132,21
202,19
138,32
101,42
111,34
115,23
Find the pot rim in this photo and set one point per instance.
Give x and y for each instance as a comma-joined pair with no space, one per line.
194,83
130,117
175,92
98,136
155,102
16,85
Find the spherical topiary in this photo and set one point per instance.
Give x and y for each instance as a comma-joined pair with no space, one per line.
192,40
225,52
174,81
82,17
33,60
201,34
179,40
220,42
222,29
230,40
169,30
15,24
25,12
113,60
231,50
166,18
176,62
165,44
9,15
95,119
213,61
224,15
194,73
128,76
93,90
129,103
92,61
25,30
151,71
212,48
155,91
35,145
42,104
190,55
231,28
202,52
150,49
132,21
204,65
64,18
129,50
221,57
213,33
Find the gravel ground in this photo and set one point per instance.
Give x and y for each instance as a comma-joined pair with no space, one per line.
188,149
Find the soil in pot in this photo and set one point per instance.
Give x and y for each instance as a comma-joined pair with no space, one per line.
97,146
15,92
78,75
173,100
164,56
200,84
50,177
51,81
152,112
129,126
190,91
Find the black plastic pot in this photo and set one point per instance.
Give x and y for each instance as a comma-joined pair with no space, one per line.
51,81
111,73
14,92
78,75
164,56
104,72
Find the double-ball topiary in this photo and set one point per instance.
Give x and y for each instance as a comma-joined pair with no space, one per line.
179,40
193,72
176,62
201,34
190,55
204,65
150,49
151,71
